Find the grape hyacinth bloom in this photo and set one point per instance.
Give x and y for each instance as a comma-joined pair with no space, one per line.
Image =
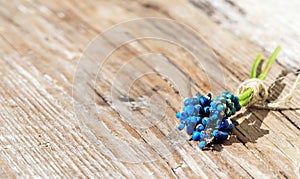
206,119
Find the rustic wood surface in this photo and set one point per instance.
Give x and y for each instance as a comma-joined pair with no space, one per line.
49,128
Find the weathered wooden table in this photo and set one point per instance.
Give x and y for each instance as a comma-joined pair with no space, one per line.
83,97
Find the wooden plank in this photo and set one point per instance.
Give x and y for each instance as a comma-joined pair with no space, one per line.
49,130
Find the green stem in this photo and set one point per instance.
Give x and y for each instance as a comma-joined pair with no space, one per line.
269,64
245,102
246,95
255,65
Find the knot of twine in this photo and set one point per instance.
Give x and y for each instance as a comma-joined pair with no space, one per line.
260,91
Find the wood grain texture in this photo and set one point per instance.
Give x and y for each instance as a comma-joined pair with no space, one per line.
59,117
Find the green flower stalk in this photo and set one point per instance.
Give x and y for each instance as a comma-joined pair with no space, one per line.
246,95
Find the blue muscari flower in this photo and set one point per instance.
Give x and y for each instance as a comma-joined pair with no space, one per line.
189,109
225,93
228,101
198,108
190,128
223,135
194,101
220,107
231,105
178,114
204,101
200,127
209,95
238,107
193,119
213,104
230,127
198,120
198,96
227,112
206,110
188,101
212,110
196,136
216,133
220,135
214,116
226,125
229,96
202,144
233,111
201,111
222,100
204,121
183,115
182,121
202,135
181,126
236,100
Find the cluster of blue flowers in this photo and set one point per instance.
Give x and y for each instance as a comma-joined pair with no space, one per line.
206,119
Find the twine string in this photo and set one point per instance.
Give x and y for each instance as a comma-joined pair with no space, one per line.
260,93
